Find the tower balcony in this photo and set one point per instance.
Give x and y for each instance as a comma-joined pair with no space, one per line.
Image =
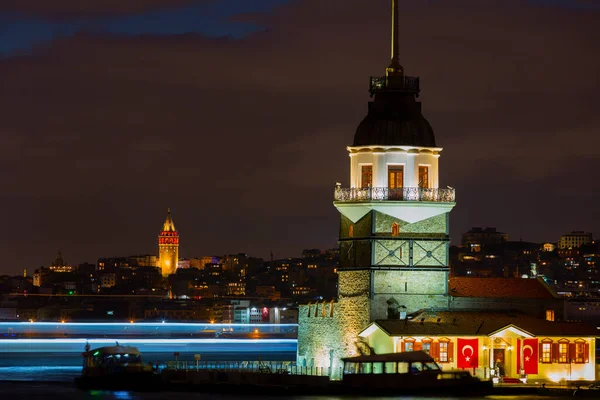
383,83
400,194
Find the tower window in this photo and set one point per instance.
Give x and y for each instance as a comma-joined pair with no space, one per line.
395,229
395,181
366,179
423,176
351,230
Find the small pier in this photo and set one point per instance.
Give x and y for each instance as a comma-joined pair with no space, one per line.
241,375
288,377
259,366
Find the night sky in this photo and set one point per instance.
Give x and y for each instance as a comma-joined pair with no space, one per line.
237,114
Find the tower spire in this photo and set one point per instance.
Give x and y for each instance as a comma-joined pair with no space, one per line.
395,69
169,225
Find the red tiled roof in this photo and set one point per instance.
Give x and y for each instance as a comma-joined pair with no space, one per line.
453,323
499,288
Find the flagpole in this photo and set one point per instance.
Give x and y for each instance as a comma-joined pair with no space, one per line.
492,355
521,353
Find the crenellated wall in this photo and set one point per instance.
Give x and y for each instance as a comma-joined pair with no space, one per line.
328,331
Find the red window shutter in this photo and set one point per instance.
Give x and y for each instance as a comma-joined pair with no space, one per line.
418,346
451,351
402,346
586,353
435,350
571,353
541,352
555,352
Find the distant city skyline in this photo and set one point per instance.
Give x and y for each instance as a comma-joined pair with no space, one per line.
267,257
236,116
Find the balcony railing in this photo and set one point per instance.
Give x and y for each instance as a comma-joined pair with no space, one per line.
380,83
400,194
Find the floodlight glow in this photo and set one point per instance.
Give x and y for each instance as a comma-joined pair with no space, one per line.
140,324
146,341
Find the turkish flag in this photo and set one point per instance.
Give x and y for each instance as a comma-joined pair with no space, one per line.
530,355
468,350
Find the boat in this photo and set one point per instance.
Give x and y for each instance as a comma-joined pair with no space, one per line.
116,368
408,373
591,391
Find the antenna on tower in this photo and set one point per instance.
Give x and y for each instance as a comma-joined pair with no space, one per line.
395,68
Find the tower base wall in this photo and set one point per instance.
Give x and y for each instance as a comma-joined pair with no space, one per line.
329,331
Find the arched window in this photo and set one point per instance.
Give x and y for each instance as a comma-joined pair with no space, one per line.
395,229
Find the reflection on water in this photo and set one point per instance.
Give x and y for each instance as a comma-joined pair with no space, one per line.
66,391
50,376
65,366
39,373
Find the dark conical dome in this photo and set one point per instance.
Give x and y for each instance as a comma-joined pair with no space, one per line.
394,119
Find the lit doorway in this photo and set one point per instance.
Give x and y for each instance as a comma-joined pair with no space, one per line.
395,181
499,362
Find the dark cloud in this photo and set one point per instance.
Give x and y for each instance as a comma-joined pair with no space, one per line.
245,139
87,8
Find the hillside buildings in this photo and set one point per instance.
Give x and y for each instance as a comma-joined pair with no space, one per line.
574,239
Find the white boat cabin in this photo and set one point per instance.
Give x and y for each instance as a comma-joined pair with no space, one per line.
112,356
392,363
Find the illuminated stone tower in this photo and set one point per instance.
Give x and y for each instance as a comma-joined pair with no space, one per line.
168,247
394,229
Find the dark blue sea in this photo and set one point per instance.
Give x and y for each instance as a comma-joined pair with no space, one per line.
64,390
50,376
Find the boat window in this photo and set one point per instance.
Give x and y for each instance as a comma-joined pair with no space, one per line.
416,367
430,366
366,368
463,375
390,367
378,368
351,368
402,367
446,375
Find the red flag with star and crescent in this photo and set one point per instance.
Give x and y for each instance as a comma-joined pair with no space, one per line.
468,350
530,355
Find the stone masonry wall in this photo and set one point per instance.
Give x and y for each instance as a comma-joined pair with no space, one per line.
434,225
414,290
334,327
362,228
